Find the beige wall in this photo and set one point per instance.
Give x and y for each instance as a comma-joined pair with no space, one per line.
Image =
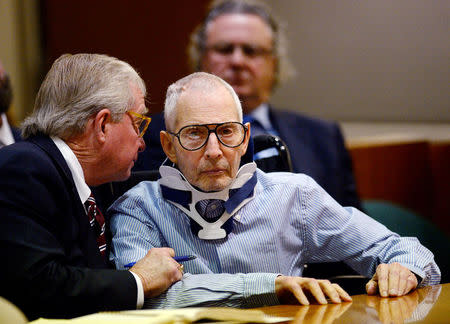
20,51
368,60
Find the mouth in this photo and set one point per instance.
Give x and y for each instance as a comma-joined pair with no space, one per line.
237,77
214,172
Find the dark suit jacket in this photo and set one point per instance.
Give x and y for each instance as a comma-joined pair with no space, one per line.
51,263
16,134
316,147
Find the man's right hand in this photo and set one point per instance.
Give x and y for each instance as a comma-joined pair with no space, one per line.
157,271
296,289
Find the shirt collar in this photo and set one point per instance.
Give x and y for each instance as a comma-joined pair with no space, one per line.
75,168
6,136
261,114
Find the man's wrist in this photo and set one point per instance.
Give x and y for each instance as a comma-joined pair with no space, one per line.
140,291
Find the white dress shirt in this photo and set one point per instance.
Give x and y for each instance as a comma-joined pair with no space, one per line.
6,135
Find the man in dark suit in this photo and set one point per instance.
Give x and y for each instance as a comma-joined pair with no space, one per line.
8,133
242,43
86,129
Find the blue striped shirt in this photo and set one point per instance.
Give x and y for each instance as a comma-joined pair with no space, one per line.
290,222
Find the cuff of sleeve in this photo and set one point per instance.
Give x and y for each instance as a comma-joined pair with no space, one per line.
140,291
259,290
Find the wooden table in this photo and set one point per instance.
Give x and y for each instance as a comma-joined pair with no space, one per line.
425,305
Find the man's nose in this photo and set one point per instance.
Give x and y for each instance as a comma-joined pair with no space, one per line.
237,56
141,144
213,149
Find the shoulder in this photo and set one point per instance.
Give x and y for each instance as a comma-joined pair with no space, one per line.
285,180
141,200
302,120
23,152
28,164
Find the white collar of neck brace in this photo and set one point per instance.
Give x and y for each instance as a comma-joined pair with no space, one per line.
173,178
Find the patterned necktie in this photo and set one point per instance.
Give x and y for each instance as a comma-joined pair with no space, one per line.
97,222
210,209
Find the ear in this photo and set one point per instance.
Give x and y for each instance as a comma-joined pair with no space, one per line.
244,145
168,146
102,123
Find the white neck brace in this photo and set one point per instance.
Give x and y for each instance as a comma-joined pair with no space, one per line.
174,179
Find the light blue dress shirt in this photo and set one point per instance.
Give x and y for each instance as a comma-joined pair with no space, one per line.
290,222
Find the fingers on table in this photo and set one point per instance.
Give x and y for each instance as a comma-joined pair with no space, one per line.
342,293
321,288
394,280
299,294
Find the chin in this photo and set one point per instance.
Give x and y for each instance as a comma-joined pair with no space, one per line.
122,176
216,185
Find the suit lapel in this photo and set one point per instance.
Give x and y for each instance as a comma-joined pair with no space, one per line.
86,238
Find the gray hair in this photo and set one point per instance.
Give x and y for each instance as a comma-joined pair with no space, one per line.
203,80
197,44
77,87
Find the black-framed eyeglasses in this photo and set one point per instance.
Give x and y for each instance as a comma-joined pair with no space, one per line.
140,124
194,137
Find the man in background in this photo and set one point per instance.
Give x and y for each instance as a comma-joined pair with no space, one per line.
242,42
8,134
86,129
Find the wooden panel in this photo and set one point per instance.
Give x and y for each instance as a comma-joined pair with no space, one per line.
150,35
399,173
414,174
440,169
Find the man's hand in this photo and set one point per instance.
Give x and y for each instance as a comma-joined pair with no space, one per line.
158,271
391,280
298,287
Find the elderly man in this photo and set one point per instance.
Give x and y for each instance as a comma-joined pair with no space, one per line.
86,129
8,134
242,42
251,231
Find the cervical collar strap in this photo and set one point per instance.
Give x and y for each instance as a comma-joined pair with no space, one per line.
237,196
181,197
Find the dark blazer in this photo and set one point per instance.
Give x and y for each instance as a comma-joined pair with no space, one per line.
316,147
16,134
51,263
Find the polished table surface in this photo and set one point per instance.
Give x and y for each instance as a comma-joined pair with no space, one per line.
425,305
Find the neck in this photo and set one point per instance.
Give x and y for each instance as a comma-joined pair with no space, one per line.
86,154
250,103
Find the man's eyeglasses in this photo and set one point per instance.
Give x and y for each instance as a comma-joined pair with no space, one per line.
194,137
140,124
249,50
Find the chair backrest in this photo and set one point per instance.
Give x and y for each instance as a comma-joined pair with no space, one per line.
271,154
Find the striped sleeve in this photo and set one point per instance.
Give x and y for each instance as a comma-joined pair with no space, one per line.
208,290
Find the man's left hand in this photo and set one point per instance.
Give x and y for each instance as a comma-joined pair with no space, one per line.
391,280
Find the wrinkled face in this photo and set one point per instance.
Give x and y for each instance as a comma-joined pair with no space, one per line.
239,50
214,166
125,142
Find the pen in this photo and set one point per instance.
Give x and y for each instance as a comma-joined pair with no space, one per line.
181,258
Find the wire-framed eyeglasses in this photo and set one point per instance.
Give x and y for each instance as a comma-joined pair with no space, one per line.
194,137
140,124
